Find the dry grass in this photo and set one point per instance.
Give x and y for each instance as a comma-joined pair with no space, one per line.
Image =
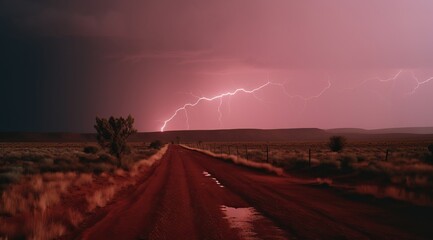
40,204
144,164
74,217
101,197
32,199
242,161
409,165
41,228
84,179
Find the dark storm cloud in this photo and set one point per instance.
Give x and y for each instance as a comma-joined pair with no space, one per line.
54,18
273,34
48,65
63,62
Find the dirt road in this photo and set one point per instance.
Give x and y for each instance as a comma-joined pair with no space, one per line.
194,196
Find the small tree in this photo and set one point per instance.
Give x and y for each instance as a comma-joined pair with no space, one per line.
429,157
336,143
112,134
157,144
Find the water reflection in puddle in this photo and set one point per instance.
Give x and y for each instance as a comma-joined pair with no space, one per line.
206,174
251,224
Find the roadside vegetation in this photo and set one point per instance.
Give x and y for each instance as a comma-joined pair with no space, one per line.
112,134
398,169
48,189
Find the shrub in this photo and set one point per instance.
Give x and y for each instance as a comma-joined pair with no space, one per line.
90,149
86,158
112,134
99,168
428,158
61,160
327,167
106,158
300,164
360,158
9,177
336,143
430,148
155,144
346,163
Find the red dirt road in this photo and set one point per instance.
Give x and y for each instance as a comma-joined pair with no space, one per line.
181,201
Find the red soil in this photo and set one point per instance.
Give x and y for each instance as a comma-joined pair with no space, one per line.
178,202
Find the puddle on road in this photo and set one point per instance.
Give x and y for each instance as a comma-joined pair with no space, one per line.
206,174
248,222
251,224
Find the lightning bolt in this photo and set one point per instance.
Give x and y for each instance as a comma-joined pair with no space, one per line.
210,99
305,99
187,118
391,78
378,79
220,97
418,83
220,115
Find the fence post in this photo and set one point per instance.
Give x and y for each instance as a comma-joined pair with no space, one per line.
267,153
309,157
386,156
237,150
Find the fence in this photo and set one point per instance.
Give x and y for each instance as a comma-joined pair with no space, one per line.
277,152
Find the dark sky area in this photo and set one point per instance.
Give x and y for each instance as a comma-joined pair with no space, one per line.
335,63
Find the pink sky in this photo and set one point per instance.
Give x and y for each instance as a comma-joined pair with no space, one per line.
152,57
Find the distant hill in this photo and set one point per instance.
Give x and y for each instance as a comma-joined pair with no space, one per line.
411,130
236,135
